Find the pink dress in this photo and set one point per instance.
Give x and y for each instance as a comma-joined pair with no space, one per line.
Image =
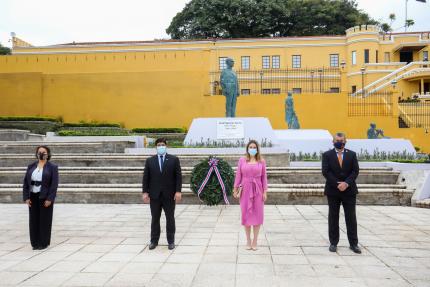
253,178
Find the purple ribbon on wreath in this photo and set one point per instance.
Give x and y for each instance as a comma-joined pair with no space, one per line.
213,163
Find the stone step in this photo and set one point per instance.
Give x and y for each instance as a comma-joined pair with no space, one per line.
138,186
134,175
28,147
129,160
424,203
106,195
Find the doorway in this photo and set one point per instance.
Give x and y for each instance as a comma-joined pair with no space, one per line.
406,56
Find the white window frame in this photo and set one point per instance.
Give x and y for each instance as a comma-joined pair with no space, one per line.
296,61
245,62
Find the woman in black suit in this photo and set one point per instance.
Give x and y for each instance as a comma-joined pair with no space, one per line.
39,191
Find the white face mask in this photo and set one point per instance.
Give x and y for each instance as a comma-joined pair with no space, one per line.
161,150
252,151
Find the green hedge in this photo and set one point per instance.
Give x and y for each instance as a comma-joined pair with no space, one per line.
103,132
159,130
29,119
91,125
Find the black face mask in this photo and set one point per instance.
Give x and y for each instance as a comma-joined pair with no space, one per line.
339,145
42,156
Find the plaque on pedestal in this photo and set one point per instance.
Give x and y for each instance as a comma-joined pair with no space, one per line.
230,132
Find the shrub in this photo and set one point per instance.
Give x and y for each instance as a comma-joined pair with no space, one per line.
94,132
29,119
158,130
91,124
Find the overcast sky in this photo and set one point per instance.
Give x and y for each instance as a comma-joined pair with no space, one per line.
45,22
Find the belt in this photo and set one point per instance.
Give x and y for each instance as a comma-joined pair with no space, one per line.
36,183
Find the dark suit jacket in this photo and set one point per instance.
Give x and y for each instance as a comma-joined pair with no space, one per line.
333,173
49,186
166,183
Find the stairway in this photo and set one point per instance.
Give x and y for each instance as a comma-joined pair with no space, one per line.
410,69
103,173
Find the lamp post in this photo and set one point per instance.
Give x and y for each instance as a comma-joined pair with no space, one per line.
320,72
343,78
261,82
312,81
363,70
343,64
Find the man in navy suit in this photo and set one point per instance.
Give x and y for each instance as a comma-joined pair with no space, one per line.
162,184
340,169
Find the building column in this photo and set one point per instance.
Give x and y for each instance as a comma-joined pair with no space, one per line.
422,86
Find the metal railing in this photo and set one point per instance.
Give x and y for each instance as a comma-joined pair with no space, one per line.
397,75
414,114
281,81
377,104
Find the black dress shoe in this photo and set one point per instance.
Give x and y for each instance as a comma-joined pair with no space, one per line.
42,247
36,247
171,246
152,245
356,249
332,248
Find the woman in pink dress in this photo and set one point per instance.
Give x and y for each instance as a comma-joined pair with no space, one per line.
251,176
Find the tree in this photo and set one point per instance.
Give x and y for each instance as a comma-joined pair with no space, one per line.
265,18
385,27
4,50
409,23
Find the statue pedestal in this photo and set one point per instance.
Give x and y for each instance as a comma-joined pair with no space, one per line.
230,132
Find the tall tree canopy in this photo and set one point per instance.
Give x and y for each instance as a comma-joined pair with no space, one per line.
4,50
265,18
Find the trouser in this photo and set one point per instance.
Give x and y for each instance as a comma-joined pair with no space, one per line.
349,203
230,106
168,205
40,221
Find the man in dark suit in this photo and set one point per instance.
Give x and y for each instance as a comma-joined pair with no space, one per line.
162,184
340,169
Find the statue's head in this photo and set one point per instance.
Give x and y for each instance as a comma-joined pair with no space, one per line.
229,62
372,125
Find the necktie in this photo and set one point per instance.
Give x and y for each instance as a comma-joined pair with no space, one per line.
339,158
161,163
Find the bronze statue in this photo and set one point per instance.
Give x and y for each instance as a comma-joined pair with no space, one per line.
230,88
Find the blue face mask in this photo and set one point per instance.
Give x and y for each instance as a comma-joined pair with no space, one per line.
252,151
339,145
161,150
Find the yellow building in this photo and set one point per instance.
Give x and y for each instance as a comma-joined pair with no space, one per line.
340,82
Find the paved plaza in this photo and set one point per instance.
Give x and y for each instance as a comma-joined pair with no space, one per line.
106,245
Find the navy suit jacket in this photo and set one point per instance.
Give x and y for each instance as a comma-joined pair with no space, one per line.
165,183
334,173
49,186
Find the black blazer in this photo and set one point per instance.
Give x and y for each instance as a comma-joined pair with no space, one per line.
166,183
333,173
49,186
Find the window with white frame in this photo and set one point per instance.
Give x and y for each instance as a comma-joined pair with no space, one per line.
297,61
297,90
425,55
245,62
266,62
276,62
222,63
245,92
334,60
354,57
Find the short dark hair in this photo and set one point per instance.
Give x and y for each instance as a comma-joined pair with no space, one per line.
47,149
161,140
